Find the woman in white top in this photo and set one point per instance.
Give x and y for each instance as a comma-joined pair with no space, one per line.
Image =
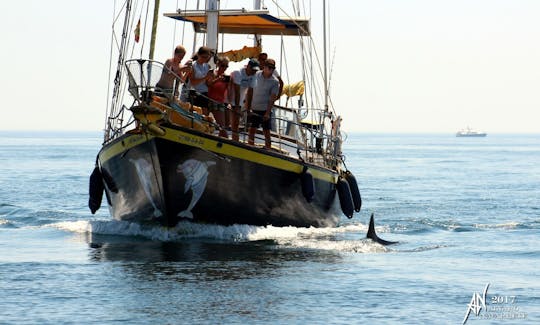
197,79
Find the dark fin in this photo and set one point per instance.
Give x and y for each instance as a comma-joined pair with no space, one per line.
373,235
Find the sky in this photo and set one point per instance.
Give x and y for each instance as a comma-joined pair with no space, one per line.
416,66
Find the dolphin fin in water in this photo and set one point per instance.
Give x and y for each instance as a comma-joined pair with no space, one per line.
373,235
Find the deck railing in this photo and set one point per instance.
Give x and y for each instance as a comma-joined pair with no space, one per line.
313,141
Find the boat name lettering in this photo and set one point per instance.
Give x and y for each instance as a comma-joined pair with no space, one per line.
192,140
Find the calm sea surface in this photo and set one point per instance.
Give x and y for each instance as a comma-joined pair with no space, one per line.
466,213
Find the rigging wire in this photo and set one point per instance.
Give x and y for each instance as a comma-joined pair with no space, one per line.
283,57
313,48
176,23
144,29
114,41
156,172
118,75
129,41
174,29
331,70
109,74
333,55
184,24
195,34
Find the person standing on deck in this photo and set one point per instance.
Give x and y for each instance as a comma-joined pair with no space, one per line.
241,80
263,57
260,101
168,82
198,75
217,92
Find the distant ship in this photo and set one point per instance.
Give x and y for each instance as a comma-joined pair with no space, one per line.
468,132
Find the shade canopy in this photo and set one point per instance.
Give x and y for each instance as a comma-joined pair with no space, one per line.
246,22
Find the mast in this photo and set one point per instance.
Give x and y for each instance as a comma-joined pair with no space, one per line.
257,6
325,59
154,29
212,28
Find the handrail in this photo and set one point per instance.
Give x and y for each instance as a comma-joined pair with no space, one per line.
311,140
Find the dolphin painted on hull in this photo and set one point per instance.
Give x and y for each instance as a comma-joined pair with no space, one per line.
145,172
196,174
371,234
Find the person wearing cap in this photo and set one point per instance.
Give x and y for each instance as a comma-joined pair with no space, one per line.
241,80
260,101
263,56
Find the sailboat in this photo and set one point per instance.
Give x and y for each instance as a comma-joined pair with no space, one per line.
163,160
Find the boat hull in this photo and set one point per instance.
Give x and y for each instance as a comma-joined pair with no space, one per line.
193,176
477,135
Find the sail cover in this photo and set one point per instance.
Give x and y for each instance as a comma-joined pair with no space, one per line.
246,22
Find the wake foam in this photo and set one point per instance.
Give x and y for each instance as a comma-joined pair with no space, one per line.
294,237
507,225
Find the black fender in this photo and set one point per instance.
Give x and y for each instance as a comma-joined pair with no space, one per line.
308,185
355,192
96,190
345,197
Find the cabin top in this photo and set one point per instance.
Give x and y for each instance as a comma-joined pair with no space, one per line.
246,22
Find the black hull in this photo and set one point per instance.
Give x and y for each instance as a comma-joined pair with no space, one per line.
186,174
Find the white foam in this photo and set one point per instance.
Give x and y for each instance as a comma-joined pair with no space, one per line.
310,238
73,226
508,225
354,246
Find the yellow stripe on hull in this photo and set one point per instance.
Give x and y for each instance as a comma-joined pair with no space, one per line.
122,144
224,148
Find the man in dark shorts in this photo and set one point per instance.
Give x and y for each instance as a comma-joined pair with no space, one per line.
260,100
241,80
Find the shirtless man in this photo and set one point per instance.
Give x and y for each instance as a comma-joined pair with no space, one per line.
168,82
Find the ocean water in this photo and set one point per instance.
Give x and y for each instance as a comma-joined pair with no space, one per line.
465,211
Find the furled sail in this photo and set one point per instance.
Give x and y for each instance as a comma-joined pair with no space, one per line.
295,89
244,53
